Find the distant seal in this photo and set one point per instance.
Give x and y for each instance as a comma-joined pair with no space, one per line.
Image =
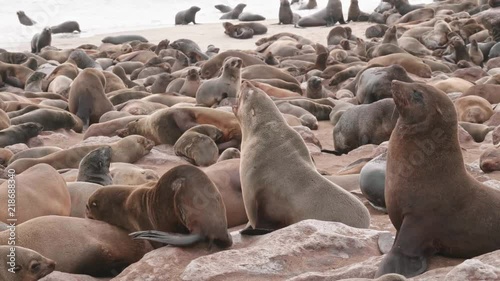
198,145
50,119
234,13
120,39
168,208
29,265
102,249
237,31
404,7
87,98
66,27
299,182
34,82
475,54
211,67
285,15
35,152
355,14
19,133
44,191
477,131
423,142
311,4
314,88
79,58
187,16
489,161
24,19
327,16
223,8
410,63
41,40
250,17
94,167
211,92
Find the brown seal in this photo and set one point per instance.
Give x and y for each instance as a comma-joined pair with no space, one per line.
198,145
486,91
23,264
211,67
167,125
19,133
87,98
184,201
489,161
285,14
129,150
425,165
41,40
80,193
94,167
234,13
14,74
328,16
24,19
229,153
477,131
42,191
211,92
410,63
50,119
473,109
311,4
66,27
102,249
355,14
35,152
313,196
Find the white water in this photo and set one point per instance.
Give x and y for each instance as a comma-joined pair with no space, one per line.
107,16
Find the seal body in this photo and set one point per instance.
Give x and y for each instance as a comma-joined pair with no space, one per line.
424,165
41,40
263,177
24,19
66,27
187,16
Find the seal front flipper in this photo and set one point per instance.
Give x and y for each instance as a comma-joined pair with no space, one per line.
168,238
249,230
332,152
397,262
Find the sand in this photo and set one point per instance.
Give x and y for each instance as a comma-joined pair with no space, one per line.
203,34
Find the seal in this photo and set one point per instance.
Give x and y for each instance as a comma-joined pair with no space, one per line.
19,133
29,265
87,98
211,92
265,72
237,31
50,119
41,40
191,84
355,14
473,109
234,13
66,27
198,145
285,14
365,124
477,131
223,8
250,17
35,152
489,160
128,150
311,4
166,126
94,167
327,16
120,39
410,63
372,182
129,174
24,19
166,208
44,193
102,249
230,153
34,82
262,178
80,193
187,16
424,141
211,67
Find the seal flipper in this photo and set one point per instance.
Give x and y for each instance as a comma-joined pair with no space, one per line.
249,230
332,152
397,262
173,239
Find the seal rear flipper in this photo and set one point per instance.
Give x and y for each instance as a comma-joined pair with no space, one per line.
173,239
397,262
332,152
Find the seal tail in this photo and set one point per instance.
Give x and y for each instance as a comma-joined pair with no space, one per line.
168,238
332,152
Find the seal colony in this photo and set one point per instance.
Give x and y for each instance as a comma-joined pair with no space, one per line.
135,144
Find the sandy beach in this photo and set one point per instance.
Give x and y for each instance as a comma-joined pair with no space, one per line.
203,34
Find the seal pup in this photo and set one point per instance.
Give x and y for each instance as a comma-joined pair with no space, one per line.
41,40
425,165
24,19
184,201
198,145
19,133
187,16
29,265
211,92
308,194
94,167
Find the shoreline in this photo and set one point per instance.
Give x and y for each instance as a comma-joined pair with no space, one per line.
202,34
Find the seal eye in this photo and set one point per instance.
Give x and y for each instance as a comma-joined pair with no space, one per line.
417,96
35,267
94,204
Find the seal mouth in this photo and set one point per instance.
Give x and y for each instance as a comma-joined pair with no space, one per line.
399,93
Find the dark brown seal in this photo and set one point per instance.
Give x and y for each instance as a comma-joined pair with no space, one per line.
187,16
184,201
41,40
425,165
19,133
24,19
94,167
